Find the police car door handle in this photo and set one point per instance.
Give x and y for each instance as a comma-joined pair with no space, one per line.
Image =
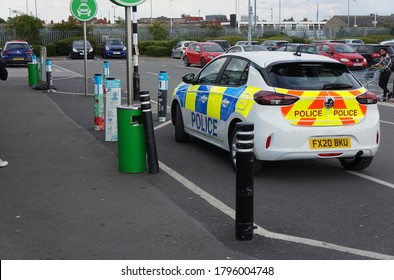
225,102
204,98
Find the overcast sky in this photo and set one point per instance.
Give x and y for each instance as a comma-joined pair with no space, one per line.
57,10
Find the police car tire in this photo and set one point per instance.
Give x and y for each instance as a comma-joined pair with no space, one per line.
257,164
357,163
180,134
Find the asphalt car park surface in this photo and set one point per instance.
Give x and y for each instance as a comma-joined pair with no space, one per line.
311,209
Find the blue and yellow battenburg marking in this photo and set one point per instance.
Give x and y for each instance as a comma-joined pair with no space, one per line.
210,104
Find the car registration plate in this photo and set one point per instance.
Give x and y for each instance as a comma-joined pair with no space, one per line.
17,58
116,52
358,64
329,143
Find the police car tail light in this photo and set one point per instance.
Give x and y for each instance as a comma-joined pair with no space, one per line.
274,98
367,98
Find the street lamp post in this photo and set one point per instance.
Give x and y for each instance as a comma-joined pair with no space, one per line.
280,11
114,13
171,16
348,13
151,18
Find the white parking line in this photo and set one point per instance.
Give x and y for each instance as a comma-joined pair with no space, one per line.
75,74
265,233
375,180
260,230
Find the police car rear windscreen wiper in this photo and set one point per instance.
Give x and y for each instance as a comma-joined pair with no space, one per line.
337,86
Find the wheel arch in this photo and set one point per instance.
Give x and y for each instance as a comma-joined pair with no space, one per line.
231,129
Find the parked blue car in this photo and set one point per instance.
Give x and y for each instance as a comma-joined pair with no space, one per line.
16,52
113,47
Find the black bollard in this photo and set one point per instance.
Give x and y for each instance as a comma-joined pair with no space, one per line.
244,181
153,162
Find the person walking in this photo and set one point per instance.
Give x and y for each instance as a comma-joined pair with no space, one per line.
3,76
384,66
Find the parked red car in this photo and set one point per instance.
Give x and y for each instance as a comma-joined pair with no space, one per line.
343,53
201,53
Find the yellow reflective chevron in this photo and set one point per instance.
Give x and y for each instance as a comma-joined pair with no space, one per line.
312,110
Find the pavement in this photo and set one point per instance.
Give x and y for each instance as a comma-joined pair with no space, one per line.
62,197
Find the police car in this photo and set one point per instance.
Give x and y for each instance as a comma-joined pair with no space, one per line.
303,107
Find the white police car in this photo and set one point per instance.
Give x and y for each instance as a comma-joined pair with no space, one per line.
302,106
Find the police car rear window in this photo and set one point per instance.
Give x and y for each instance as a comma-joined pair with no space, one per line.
311,76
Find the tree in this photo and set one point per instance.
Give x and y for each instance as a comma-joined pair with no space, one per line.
26,28
71,24
2,21
158,31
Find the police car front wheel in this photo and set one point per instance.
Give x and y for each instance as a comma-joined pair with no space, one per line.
180,134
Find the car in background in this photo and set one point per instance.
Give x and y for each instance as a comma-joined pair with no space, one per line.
223,43
247,48
388,42
274,44
348,41
113,47
301,48
343,53
179,49
77,50
371,52
246,42
302,107
16,52
201,53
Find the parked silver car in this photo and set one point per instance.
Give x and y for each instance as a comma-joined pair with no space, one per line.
178,51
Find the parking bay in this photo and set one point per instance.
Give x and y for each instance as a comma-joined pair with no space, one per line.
304,209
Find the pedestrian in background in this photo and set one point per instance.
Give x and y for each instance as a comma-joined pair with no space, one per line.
3,76
384,66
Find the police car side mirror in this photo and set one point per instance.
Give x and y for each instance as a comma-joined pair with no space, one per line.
188,78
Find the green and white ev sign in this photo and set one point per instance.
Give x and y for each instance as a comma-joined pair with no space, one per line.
83,10
127,3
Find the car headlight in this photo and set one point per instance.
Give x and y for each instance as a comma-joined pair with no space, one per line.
91,50
210,56
344,59
75,50
124,48
107,48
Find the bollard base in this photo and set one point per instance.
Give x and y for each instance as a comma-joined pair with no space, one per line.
244,231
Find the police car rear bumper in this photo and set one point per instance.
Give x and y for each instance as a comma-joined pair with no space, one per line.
289,142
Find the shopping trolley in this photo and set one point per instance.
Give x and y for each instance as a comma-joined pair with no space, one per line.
369,78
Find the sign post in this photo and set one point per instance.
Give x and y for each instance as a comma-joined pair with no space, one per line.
84,10
131,52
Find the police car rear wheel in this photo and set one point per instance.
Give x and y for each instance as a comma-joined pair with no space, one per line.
357,163
180,134
257,164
